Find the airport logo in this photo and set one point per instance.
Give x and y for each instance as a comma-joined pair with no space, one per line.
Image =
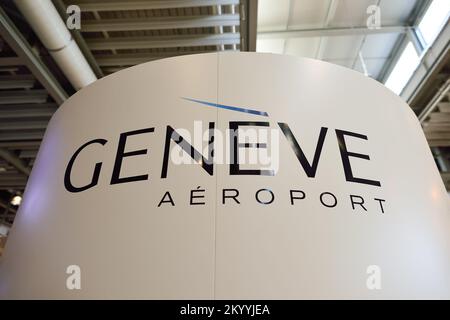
248,148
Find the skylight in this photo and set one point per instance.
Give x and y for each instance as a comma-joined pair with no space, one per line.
403,70
429,28
433,20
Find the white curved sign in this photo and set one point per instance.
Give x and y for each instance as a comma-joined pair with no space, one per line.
232,176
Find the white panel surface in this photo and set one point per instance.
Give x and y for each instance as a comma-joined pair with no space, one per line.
302,47
308,14
352,12
273,15
342,47
270,45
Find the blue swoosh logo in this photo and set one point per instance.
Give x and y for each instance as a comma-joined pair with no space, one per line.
222,106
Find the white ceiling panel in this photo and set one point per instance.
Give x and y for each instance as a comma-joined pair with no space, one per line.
374,66
394,12
351,13
342,47
341,62
270,45
308,13
379,45
303,47
273,15
376,49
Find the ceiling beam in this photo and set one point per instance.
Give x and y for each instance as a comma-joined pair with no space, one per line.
11,175
26,81
444,107
330,32
19,111
17,42
160,23
438,136
439,143
21,135
434,102
14,185
10,61
20,144
439,117
131,59
436,127
23,96
114,5
163,42
14,161
5,206
21,124
28,154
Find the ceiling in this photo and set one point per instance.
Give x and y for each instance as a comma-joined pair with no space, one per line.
129,33
336,30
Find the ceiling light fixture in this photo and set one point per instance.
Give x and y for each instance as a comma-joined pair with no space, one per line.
16,200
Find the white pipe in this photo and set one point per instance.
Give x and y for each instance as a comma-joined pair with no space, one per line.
52,31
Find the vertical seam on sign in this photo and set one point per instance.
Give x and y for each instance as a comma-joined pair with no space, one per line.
217,177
